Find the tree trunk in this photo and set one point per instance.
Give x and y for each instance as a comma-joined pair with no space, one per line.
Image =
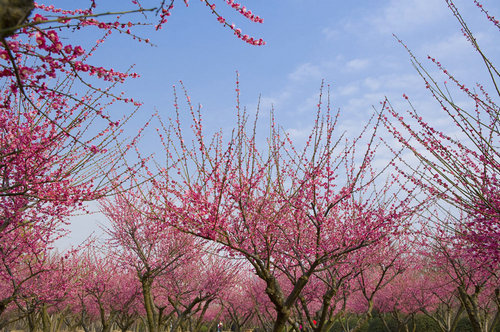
470,305
281,320
327,300
31,322
366,318
151,320
46,322
283,306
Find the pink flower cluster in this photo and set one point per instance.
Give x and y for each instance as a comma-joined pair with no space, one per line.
237,32
244,11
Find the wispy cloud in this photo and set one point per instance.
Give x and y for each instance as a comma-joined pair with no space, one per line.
400,16
348,90
358,64
305,71
330,33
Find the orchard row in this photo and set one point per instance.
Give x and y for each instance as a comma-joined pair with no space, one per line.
176,282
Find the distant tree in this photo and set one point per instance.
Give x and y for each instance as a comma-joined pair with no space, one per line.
473,283
151,248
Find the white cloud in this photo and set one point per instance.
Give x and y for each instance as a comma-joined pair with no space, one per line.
348,90
401,16
358,64
448,47
305,71
266,102
362,104
330,33
372,83
299,135
402,83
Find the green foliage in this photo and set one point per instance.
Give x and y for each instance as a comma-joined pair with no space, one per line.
337,326
464,325
422,322
376,325
425,323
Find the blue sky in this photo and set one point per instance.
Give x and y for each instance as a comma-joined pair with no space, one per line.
349,44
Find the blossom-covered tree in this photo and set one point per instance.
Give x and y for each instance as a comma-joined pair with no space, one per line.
25,259
323,301
48,156
239,304
377,269
435,295
474,283
151,248
46,149
287,211
32,286
196,285
462,169
51,95
109,289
